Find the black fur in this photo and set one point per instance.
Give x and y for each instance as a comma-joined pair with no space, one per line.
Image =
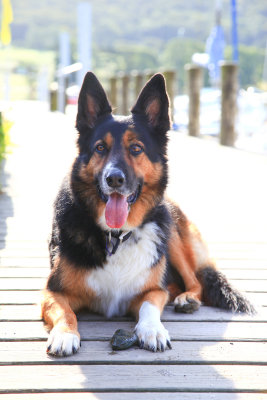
218,292
76,234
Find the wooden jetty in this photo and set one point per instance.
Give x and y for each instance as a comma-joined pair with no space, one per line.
216,355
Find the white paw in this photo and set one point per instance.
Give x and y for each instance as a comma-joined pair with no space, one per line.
62,343
152,336
150,331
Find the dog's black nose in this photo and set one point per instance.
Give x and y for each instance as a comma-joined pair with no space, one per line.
115,179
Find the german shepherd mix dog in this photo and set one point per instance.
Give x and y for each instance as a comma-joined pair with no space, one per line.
118,245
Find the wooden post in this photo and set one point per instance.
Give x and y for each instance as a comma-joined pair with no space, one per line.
113,92
138,82
148,74
125,94
195,79
53,96
170,84
229,87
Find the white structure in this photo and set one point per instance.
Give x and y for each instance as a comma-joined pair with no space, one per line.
84,25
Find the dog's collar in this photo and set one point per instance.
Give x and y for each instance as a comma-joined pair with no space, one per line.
112,245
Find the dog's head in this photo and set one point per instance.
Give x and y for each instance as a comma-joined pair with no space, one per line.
121,170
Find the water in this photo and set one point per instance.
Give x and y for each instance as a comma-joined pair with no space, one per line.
251,123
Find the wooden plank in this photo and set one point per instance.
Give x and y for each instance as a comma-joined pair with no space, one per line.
34,252
241,264
241,274
246,285
208,314
98,352
38,272
98,330
24,262
32,297
19,297
22,283
40,262
247,252
136,396
133,378
24,272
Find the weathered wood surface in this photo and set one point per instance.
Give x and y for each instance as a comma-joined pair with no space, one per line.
100,352
134,377
216,355
30,283
20,312
139,396
203,331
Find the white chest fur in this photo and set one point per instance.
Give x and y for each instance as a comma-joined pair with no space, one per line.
125,272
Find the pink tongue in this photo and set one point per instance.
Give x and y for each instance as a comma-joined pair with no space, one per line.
116,212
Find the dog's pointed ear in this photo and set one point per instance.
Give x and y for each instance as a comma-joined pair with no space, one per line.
92,103
153,103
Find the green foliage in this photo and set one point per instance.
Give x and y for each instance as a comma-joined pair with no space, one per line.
139,35
135,21
4,135
177,54
251,60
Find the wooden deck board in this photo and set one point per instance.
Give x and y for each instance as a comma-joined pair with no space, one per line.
18,312
32,283
216,355
137,396
100,352
157,378
104,330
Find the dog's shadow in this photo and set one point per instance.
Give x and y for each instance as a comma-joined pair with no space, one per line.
198,361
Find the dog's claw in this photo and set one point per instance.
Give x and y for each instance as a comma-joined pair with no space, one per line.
169,344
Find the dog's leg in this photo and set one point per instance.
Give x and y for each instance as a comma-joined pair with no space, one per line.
150,331
182,259
64,338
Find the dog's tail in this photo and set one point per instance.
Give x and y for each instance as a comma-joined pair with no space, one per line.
218,292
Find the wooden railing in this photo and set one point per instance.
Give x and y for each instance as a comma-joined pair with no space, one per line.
229,92
124,88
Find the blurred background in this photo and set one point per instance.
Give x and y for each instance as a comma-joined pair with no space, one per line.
47,46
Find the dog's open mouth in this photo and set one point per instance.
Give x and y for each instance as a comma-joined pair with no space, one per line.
117,208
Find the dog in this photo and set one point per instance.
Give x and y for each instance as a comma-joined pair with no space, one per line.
118,245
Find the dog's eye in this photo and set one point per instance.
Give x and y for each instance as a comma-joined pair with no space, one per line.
100,148
136,149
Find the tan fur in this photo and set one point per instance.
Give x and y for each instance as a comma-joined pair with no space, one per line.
150,172
181,258
58,308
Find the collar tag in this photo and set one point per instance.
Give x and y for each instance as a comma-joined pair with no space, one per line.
114,240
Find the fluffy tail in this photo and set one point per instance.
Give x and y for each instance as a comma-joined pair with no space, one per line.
218,292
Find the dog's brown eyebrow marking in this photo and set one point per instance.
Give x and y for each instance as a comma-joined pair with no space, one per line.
108,138
130,136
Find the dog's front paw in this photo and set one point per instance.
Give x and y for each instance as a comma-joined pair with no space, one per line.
152,336
62,343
